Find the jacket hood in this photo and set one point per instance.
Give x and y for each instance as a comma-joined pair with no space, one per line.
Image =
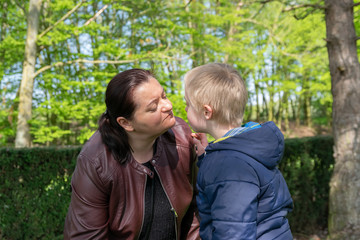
264,144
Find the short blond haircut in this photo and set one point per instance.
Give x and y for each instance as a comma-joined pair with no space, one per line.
219,86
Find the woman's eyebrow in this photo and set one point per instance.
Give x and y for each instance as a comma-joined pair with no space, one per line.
155,100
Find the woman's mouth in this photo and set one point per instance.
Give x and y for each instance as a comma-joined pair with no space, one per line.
171,115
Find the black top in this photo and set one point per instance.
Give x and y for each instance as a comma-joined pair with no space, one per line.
159,219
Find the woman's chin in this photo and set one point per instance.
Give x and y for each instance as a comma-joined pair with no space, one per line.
171,120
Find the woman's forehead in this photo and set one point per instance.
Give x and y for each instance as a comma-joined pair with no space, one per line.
147,91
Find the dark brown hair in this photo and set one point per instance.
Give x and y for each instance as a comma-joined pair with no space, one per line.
119,102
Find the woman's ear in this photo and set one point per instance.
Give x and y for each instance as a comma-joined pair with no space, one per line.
208,112
124,123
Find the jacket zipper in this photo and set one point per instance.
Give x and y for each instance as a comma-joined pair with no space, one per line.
172,207
143,218
175,217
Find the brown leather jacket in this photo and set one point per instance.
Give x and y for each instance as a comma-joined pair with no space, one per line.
107,199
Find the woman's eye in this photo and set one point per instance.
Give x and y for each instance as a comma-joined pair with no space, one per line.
153,108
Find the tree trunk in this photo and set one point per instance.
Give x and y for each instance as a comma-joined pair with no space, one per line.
232,30
2,36
279,114
286,114
298,111
197,50
344,212
27,81
271,101
266,108
307,101
257,102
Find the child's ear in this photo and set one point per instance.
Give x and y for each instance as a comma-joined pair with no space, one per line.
126,124
208,112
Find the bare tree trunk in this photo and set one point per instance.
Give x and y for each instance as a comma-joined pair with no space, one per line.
257,102
286,110
344,212
271,101
279,114
298,111
266,108
232,30
293,109
307,102
2,32
27,81
249,116
197,51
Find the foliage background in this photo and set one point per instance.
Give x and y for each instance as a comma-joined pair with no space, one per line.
281,56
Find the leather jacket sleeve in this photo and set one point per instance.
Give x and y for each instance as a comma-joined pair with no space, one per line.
87,216
193,232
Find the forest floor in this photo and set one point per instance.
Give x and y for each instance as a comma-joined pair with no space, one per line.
319,235
304,131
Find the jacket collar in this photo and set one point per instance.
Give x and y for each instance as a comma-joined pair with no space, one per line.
154,160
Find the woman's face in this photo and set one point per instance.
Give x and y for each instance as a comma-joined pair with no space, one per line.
153,114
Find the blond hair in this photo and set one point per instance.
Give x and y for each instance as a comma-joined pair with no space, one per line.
219,86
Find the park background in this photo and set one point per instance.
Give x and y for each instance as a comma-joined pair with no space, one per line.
58,56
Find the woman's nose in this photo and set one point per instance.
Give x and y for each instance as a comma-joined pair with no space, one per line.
167,106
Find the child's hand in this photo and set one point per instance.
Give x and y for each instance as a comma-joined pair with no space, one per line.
200,141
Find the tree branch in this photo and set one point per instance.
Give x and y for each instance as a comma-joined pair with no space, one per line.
264,1
357,38
309,11
356,4
60,64
62,19
149,56
21,6
317,6
96,15
188,3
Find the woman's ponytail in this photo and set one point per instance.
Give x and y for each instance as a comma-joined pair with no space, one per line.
115,138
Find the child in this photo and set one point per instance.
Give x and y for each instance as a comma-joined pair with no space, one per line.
242,194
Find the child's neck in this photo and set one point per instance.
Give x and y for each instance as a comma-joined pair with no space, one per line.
218,130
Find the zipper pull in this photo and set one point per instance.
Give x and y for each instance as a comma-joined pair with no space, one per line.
174,211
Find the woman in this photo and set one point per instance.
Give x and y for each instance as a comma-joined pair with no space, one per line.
134,178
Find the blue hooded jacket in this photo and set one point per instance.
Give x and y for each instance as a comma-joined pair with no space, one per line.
242,194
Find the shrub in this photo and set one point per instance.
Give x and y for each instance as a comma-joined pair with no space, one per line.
35,191
307,167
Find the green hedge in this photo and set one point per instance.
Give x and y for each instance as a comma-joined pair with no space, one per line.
35,187
35,191
307,167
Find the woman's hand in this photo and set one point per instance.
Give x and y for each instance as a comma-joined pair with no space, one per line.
200,141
